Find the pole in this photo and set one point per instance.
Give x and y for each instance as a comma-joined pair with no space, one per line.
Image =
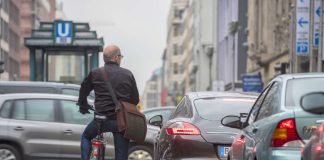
233,80
311,33
292,38
320,47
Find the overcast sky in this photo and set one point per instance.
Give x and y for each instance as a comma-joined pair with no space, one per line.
137,26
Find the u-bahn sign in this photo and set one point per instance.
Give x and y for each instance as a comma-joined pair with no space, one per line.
63,32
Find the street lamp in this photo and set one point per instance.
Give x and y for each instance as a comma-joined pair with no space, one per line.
233,28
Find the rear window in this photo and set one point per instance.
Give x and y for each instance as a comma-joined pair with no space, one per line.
217,108
26,89
296,88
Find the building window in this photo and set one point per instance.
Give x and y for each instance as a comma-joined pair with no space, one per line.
14,13
175,68
5,30
153,87
13,40
5,58
5,5
175,85
178,13
175,49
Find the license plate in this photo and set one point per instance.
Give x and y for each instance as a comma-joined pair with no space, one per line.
223,151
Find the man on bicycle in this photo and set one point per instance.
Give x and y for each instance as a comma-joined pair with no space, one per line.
124,85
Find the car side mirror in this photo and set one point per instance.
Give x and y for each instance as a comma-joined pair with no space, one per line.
232,122
156,121
313,102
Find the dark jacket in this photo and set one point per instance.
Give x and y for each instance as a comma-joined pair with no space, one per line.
122,81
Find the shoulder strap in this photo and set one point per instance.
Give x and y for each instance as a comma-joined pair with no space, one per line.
111,90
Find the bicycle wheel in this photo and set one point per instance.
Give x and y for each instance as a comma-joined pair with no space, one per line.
102,152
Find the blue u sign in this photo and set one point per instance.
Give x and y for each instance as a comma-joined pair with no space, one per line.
63,32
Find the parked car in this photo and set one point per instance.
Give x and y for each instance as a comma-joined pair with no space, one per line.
40,87
144,151
42,126
194,130
314,148
276,127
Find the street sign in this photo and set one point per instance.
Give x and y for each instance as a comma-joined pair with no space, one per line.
63,32
252,83
302,41
317,16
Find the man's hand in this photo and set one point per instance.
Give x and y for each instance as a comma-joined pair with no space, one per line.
84,109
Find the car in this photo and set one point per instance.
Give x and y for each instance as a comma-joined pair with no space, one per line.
54,128
314,148
276,127
40,87
144,151
194,130
42,126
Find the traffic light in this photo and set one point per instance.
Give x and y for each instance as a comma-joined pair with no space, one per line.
1,66
281,68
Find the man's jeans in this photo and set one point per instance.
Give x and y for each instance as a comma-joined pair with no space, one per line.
121,144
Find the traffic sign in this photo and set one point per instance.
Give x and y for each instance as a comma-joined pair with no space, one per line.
252,83
302,41
317,16
63,32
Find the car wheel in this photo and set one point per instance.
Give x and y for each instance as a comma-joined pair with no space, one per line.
140,153
8,152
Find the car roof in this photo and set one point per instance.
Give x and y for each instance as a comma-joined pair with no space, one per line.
38,83
301,75
36,95
195,95
158,108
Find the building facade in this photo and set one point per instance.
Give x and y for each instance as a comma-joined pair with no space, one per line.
32,12
173,58
9,38
203,72
153,90
231,44
268,36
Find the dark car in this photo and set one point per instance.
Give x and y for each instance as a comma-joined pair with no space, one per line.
40,87
194,130
144,151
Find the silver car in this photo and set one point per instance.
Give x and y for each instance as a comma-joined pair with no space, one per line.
43,126
49,126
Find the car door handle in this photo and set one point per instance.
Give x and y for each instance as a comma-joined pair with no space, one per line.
19,128
68,131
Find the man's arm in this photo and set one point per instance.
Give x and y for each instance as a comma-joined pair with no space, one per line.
86,88
135,94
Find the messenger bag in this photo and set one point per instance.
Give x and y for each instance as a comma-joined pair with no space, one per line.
130,121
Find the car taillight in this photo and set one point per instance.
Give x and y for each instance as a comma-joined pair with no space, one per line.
285,132
182,128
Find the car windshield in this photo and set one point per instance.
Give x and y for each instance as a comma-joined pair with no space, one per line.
296,89
217,108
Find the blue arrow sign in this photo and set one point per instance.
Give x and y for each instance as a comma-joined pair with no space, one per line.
318,11
301,22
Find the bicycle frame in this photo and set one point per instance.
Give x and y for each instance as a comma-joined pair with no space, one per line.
98,145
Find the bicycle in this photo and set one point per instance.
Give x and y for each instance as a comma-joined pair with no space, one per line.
98,143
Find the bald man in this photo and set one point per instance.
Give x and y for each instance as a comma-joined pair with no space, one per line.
124,85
